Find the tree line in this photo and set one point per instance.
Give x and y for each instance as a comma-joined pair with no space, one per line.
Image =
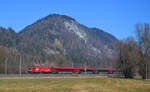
134,53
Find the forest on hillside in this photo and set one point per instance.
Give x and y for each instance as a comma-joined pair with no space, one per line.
133,57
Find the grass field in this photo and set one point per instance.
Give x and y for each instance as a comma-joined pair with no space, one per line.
74,85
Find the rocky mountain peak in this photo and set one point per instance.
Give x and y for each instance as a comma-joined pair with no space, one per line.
61,38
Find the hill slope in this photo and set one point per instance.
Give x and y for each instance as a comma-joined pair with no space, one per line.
62,40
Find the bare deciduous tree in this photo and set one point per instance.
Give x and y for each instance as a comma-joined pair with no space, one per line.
128,57
143,35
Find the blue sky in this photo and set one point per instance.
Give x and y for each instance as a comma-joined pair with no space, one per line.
117,17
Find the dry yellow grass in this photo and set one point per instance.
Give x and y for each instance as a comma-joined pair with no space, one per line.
74,85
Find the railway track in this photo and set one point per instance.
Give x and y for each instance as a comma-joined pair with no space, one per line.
58,75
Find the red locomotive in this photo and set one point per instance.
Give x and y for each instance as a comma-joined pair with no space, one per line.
35,69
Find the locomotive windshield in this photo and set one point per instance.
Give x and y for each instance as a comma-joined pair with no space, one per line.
30,68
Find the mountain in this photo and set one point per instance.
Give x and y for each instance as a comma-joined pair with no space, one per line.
60,39
7,37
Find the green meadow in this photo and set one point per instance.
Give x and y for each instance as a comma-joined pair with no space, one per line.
74,85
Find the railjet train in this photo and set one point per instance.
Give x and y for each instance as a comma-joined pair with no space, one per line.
55,70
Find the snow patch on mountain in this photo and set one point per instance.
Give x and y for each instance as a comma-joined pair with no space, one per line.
73,27
96,50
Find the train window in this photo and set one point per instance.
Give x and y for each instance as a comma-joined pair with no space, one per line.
30,68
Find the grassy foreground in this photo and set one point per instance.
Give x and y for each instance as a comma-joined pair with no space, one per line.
74,85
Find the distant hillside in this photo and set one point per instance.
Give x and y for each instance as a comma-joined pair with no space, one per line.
61,40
